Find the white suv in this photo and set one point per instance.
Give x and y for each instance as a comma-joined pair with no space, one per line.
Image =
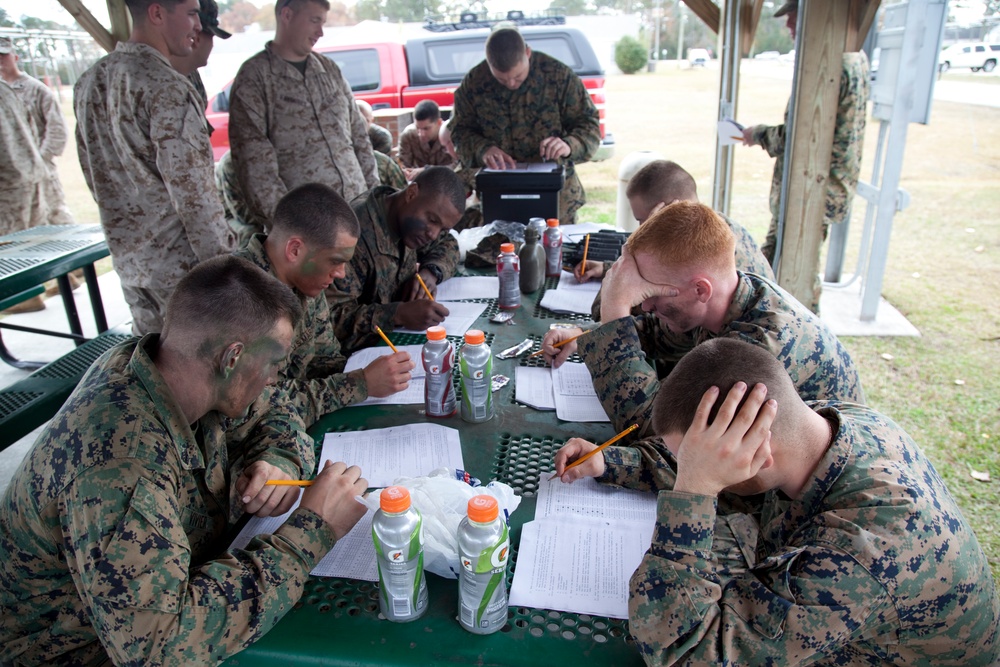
974,56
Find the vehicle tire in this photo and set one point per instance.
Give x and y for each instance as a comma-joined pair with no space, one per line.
944,67
989,65
975,69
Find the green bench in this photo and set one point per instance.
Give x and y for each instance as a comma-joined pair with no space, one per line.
30,402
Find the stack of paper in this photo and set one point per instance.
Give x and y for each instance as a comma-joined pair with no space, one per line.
571,296
569,390
461,316
412,395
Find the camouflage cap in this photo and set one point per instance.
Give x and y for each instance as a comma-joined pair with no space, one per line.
209,15
6,46
790,6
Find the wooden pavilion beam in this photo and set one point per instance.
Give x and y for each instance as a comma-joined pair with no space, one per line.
89,23
121,21
750,11
707,11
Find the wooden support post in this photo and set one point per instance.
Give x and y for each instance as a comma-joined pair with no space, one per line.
707,11
749,18
89,23
121,21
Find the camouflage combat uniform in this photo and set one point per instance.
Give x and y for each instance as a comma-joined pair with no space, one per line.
389,172
50,127
748,260
845,161
22,170
145,154
233,202
382,264
199,87
116,527
761,313
286,129
552,101
312,382
873,564
381,139
415,153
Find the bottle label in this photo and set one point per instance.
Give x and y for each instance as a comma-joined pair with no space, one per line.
402,587
483,587
439,391
477,396
508,270
553,254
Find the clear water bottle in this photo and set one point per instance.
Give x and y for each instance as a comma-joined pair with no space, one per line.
438,358
553,249
476,371
399,550
538,224
483,548
508,271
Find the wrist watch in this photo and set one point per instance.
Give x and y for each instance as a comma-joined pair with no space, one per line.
435,271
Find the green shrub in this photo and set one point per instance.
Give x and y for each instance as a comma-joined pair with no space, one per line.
630,55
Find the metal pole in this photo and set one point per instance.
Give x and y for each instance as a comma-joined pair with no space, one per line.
656,40
680,31
729,85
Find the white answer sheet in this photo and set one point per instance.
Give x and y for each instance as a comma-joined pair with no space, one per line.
588,497
361,358
461,316
533,386
575,398
468,287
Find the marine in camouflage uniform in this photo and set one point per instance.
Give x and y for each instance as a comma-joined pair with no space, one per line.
845,161
116,528
287,129
624,355
22,170
145,154
389,172
369,294
381,138
312,382
233,202
552,101
873,563
416,153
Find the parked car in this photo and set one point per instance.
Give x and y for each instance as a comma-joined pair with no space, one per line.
398,74
977,57
698,57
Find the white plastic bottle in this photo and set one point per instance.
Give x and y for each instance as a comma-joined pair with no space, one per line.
399,550
476,372
483,550
508,271
553,249
438,358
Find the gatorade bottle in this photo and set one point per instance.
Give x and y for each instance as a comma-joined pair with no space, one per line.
438,357
476,371
396,529
508,270
553,249
483,547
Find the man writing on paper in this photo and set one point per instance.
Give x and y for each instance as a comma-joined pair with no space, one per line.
419,143
680,265
402,231
525,106
863,555
313,236
114,531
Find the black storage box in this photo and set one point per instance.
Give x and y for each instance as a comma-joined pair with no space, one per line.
520,194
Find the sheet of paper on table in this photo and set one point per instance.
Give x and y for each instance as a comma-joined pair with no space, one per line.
461,316
533,387
571,296
412,395
583,546
569,390
468,287
529,167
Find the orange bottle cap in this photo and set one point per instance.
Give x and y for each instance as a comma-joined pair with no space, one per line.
475,337
436,333
506,247
394,499
552,222
483,509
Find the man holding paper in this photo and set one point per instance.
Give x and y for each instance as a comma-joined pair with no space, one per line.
863,555
404,234
680,267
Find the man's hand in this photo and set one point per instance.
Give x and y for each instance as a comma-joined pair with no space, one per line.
553,148
624,287
414,291
420,314
733,449
494,158
589,270
571,451
412,172
388,374
557,356
265,500
748,137
332,496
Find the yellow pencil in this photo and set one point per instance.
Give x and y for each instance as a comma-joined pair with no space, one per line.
594,451
424,285
734,137
288,482
559,344
388,342
586,246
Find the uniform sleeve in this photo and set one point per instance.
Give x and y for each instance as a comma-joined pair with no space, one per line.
360,139
177,131
795,606
771,138
442,253
253,154
406,157
54,141
148,602
354,322
581,121
466,133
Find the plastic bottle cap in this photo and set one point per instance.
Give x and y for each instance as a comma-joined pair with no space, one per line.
552,222
394,499
475,337
506,247
483,509
436,333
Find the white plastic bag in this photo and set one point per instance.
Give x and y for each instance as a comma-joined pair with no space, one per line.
442,500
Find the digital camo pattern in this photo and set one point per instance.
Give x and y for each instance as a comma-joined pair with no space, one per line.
873,564
761,314
312,382
389,173
114,530
416,153
22,170
381,138
286,130
367,296
233,202
145,155
552,101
